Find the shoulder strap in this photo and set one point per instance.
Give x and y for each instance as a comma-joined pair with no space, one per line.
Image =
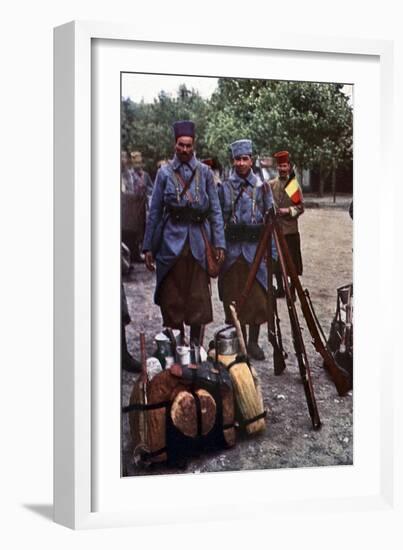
185,184
241,191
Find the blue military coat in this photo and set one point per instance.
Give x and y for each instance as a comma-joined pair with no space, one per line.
165,237
255,200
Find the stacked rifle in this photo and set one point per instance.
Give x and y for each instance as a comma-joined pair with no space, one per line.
272,230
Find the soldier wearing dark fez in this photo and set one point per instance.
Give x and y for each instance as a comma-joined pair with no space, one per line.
244,200
184,199
288,199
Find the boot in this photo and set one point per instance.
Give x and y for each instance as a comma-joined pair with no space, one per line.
279,292
195,331
129,363
136,256
254,350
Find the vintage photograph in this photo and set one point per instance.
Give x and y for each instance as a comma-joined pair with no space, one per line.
236,274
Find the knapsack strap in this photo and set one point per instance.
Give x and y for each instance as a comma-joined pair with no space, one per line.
244,423
145,407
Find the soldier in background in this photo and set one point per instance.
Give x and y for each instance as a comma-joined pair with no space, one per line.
160,163
215,168
141,178
136,191
288,200
125,174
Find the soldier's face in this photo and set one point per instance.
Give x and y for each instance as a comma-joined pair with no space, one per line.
184,148
124,160
283,169
242,164
137,163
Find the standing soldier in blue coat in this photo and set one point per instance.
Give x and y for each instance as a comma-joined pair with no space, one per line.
184,200
244,200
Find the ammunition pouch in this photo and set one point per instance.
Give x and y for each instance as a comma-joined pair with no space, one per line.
243,232
186,214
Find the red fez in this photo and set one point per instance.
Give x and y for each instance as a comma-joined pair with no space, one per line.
184,128
209,162
282,157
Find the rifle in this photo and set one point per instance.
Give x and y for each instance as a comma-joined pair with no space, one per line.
298,341
273,328
259,254
274,339
338,375
142,389
271,229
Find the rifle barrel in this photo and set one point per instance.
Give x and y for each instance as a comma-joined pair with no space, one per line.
273,332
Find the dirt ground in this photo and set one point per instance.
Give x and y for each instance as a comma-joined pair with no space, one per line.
289,440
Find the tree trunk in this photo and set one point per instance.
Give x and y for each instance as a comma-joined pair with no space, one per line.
321,181
334,182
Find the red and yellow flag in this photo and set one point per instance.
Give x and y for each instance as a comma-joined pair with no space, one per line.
293,191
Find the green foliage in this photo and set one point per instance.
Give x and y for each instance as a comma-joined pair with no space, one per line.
311,120
148,127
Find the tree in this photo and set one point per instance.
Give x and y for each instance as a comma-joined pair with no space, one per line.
148,127
311,120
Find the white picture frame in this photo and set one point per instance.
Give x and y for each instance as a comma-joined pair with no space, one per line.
87,487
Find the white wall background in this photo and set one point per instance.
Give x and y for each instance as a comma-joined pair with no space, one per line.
26,273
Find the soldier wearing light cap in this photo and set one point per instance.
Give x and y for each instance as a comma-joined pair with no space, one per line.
183,201
244,201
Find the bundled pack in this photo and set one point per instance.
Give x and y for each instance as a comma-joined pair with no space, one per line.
181,412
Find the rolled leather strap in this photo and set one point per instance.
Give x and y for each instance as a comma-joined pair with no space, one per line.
186,214
243,232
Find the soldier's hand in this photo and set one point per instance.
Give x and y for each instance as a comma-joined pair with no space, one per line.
220,255
149,260
283,211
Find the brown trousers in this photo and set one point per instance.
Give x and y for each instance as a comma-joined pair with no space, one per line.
254,311
185,295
